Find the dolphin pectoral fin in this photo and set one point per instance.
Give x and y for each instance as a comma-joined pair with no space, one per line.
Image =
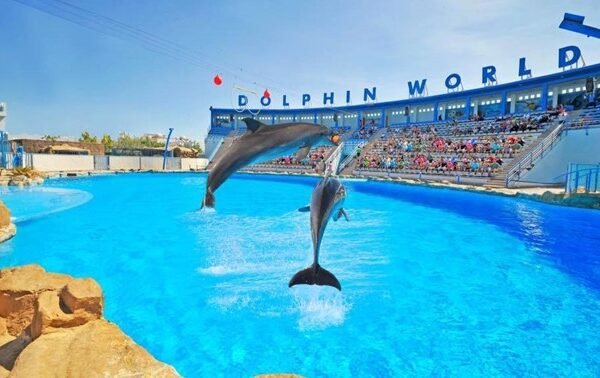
339,214
315,275
343,212
252,124
304,209
302,153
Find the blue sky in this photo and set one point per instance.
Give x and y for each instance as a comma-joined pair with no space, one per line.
60,78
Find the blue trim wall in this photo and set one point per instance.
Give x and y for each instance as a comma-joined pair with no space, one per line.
499,90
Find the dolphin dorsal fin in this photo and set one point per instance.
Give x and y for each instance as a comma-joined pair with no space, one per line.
252,124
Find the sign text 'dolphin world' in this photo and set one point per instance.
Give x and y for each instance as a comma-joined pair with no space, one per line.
567,56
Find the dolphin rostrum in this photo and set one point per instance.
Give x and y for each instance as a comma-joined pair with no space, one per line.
263,143
326,203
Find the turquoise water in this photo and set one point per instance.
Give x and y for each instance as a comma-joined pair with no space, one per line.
435,282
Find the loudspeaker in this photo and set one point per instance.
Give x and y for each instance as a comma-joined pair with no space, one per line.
589,85
406,110
231,118
335,117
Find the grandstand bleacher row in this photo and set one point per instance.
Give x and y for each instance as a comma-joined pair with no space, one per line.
478,148
471,148
587,118
313,163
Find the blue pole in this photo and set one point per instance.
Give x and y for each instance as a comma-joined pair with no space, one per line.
166,153
588,181
2,150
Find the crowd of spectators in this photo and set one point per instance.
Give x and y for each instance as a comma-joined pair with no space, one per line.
315,160
588,118
341,129
424,149
506,124
366,131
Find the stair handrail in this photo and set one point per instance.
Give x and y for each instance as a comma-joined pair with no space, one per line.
547,144
350,156
333,157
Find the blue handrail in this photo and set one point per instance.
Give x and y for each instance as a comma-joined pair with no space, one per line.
3,149
589,176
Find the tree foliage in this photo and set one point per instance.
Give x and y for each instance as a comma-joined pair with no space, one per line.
128,141
86,137
107,142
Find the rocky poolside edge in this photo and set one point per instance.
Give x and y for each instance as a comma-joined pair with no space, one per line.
42,312
25,177
7,228
52,325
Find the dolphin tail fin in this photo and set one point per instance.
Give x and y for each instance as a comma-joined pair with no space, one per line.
315,275
209,199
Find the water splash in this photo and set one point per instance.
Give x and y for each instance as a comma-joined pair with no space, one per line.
319,307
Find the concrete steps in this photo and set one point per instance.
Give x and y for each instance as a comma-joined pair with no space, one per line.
364,150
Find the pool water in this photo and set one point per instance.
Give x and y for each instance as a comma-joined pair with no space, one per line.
435,282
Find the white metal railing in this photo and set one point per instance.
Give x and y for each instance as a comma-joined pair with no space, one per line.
528,160
350,156
334,159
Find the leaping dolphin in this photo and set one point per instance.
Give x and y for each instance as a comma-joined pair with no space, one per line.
263,143
326,203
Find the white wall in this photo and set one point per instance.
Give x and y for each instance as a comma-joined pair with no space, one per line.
193,163
54,163
574,147
117,163
154,163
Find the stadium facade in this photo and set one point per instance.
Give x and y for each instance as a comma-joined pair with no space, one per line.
537,130
572,88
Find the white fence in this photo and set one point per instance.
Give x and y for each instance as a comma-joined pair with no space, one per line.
48,163
75,163
124,163
188,164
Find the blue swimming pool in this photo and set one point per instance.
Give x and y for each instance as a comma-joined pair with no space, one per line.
435,282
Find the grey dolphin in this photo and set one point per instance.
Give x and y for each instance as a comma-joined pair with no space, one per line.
263,143
326,203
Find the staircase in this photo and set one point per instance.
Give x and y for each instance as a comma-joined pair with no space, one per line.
526,159
350,167
348,159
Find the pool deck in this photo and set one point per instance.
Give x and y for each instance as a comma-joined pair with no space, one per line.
545,194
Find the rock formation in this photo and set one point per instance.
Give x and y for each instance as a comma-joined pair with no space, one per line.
7,228
51,325
20,177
